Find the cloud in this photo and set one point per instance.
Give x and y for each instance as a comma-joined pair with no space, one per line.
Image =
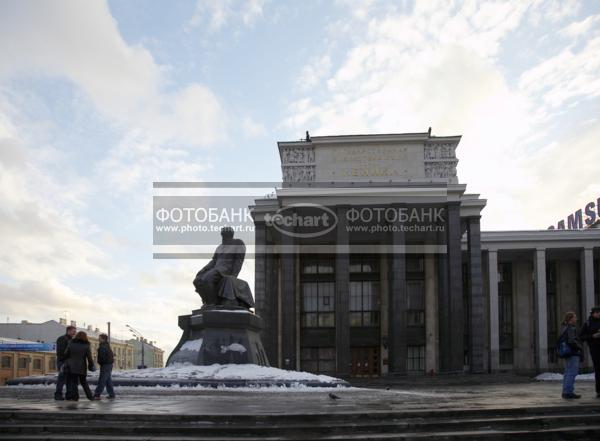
314,72
571,74
47,202
579,28
564,174
41,231
215,15
81,41
253,129
441,64
43,299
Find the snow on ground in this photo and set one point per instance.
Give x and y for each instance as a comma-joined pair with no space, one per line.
294,387
221,372
553,376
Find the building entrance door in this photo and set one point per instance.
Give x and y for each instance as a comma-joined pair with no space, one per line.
365,362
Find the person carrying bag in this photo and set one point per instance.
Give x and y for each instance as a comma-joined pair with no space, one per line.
569,348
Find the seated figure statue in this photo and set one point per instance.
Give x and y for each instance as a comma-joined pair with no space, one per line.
217,282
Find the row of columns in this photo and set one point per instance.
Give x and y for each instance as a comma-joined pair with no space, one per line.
447,333
540,302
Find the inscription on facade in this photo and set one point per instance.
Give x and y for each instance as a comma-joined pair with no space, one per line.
369,162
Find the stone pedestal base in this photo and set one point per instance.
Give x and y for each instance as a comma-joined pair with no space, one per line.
223,336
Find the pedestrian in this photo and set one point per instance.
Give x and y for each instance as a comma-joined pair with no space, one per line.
61,346
572,354
590,333
105,359
79,361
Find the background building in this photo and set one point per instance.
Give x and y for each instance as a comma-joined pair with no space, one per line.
152,356
48,332
21,358
421,290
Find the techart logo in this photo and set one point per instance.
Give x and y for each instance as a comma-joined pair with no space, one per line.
303,220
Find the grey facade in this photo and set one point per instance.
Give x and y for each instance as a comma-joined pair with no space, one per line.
379,297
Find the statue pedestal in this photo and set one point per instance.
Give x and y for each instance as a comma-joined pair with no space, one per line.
223,336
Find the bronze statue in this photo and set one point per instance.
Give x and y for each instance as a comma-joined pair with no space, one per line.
217,282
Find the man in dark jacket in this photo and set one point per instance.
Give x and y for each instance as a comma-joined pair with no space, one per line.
61,346
105,359
590,333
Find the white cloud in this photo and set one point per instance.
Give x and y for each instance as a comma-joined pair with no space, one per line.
314,72
218,14
253,129
439,65
571,74
81,41
42,299
46,206
41,230
564,177
579,28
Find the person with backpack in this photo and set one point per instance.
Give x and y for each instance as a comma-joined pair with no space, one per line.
569,348
590,333
105,359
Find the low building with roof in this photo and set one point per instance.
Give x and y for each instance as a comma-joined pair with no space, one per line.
23,358
49,331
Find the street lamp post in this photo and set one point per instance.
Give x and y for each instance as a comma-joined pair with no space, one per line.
138,335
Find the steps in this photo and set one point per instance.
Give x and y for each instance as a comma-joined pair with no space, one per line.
577,422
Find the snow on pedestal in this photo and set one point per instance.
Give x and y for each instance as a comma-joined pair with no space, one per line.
249,372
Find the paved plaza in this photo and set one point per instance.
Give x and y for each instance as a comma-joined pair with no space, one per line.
400,395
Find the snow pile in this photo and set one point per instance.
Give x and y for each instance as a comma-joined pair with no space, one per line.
552,376
192,345
189,371
234,347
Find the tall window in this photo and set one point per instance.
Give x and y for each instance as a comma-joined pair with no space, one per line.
364,291
22,363
415,360
505,318
318,307
551,308
318,292
37,364
415,291
318,360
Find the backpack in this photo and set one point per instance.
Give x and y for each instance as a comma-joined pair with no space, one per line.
563,349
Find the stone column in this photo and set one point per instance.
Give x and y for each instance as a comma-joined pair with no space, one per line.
494,315
587,290
444,322
541,335
476,322
288,303
451,329
397,306
260,269
261,298
431,316
342,295
270,334
523,328
587,282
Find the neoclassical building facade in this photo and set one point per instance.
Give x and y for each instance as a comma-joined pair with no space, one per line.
370,261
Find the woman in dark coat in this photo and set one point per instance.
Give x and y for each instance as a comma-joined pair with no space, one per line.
78,360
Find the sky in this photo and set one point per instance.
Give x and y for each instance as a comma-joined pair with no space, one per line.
99,99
